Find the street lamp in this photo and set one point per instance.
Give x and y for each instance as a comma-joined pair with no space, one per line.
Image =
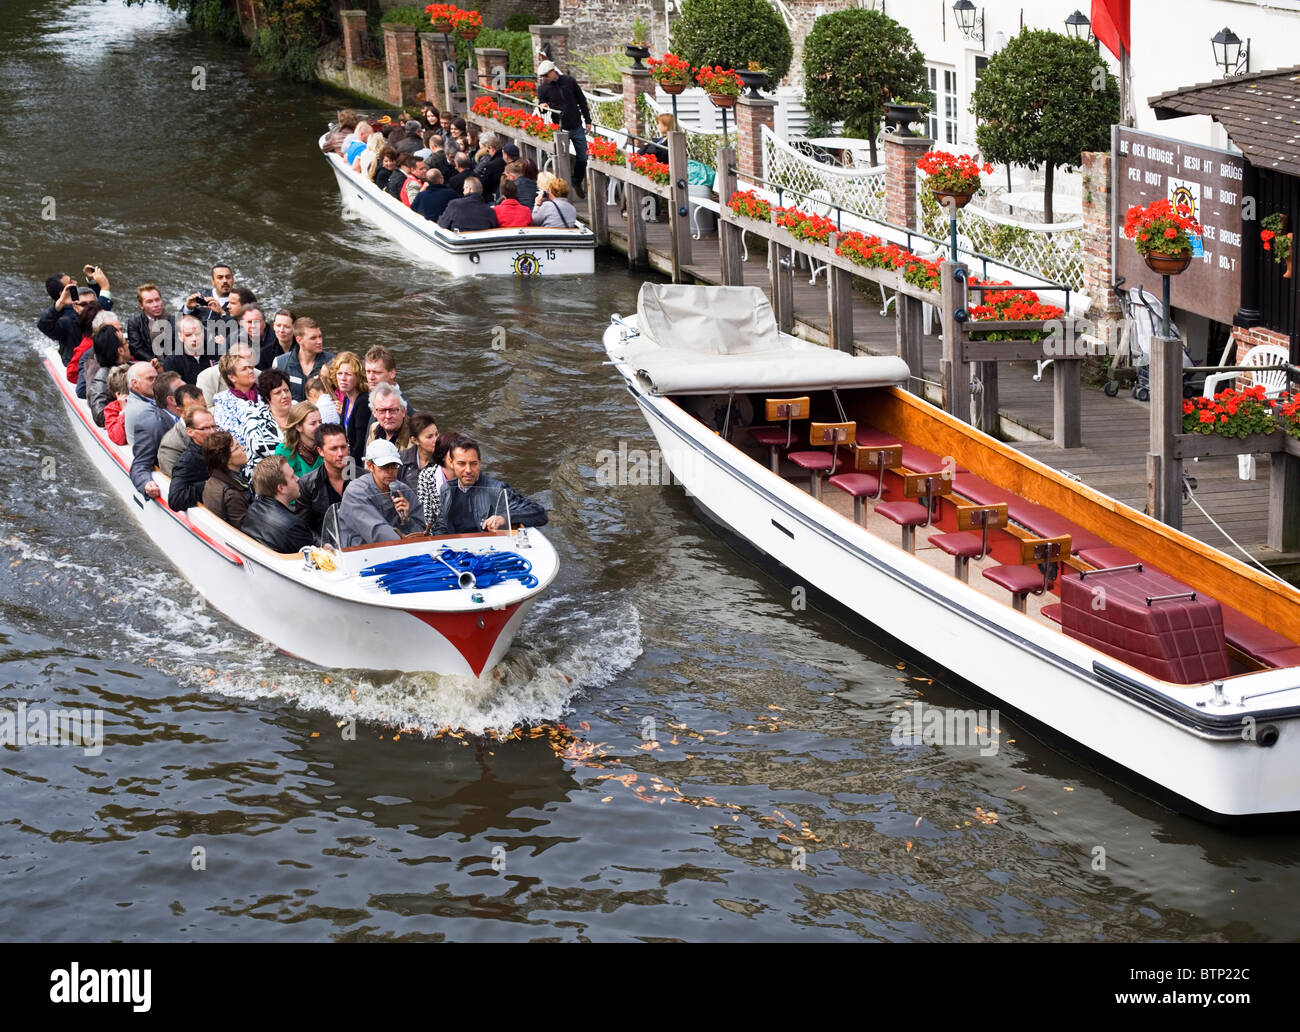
963,11
1229,53
1078,26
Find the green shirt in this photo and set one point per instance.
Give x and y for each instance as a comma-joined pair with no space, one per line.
296,462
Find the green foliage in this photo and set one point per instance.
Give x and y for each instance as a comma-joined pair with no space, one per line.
593,68
406,16
519,21
856,60
215,18
1043,99
519,45
731,33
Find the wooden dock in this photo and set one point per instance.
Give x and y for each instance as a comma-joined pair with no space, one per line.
1115,431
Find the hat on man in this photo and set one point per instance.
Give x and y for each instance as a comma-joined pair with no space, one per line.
413,126
545,68
424,154
383,453
510,150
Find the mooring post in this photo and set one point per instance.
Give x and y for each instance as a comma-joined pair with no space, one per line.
839,302
780,271
597,210
563,159
907,330
732,272
953,373
638,254
679,210
1164,472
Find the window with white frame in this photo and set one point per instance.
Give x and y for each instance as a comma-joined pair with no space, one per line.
941,121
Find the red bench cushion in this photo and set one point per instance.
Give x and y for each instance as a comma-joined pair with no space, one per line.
856,484
963,543
1018,580
905,514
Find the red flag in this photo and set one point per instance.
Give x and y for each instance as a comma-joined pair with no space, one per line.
1110,25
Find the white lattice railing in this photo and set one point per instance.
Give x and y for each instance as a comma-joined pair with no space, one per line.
861,191
1053,251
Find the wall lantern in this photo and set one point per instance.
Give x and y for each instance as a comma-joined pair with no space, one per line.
1229,54
964,12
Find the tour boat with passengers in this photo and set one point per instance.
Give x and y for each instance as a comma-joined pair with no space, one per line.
1151,654
445,605
517,251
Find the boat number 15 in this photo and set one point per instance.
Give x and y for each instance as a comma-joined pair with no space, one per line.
550,254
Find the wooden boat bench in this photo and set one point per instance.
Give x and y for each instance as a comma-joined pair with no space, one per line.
964,545
869,479
815,461
775,437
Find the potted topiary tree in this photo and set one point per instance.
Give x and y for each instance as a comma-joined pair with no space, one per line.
636,48
731,34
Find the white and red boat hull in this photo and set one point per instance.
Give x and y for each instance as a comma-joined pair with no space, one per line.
334,619
1178,737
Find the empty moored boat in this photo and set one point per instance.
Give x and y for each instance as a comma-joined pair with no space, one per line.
1156,654
518,251
341,608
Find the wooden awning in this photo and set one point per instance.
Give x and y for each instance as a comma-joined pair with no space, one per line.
1260,112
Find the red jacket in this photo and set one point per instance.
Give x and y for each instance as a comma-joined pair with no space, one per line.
74,364
115,422
511,213
409,189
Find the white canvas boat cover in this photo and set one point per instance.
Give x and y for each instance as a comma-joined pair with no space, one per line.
709,340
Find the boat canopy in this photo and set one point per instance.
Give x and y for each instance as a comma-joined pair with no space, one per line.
706,340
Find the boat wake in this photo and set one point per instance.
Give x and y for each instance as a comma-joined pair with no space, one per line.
567,646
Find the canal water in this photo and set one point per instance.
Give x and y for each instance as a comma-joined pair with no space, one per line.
703,757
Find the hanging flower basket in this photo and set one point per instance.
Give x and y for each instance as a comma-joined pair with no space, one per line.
722,85
443,17
1162,234
1168,264
671,73
952,175
952,197
1276,239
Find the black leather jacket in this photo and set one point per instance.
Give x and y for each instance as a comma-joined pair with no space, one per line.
275,526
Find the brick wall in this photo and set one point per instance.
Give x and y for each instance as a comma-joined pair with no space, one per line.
900,154
1098,273
605,26
750,116
399,51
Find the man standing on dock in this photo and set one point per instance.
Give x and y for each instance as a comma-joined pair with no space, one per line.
568,106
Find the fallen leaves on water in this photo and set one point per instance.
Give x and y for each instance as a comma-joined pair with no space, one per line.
607,799
1020,789
987,816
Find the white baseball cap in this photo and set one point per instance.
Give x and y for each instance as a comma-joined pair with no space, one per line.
544,68
383,453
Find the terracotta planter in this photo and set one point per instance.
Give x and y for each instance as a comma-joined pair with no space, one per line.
443,27
673,88
1168,264
722,100
1287,274
947,197
470,33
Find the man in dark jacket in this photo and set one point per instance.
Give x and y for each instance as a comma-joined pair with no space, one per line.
473,503
488,170
469,212
432,201
464,169
324,486
190,474
568,106
60,321
150,332
269,519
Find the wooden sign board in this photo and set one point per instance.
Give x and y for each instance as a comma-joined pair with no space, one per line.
1147,168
